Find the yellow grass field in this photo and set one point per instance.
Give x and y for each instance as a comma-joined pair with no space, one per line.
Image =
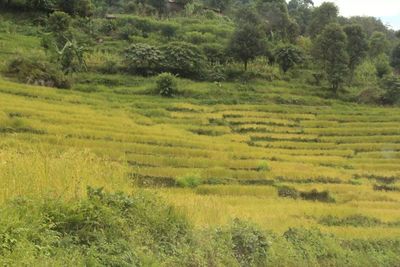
58,142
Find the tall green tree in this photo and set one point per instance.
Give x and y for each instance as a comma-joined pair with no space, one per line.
323,15
330,50
288,56
378,44
248,39
159,5
301,12
395,58
220,5
357,46
83,8
276,17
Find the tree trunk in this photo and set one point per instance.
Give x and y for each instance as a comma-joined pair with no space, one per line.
245,65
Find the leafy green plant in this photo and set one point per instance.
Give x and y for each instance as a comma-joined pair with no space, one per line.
37,71
288,56
190,180
315,195
249,244
183,59
288,192
143,59
263,166
167,85
356,220
391,87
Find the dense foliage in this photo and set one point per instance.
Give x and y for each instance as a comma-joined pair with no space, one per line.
140,230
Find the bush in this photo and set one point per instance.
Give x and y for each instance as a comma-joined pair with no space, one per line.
353,220
249,244
314,195
370,96
166,85
386,187
288,192
183,59
263,167
316,248
143,59
59,22
391,87
102,230
288,56
382,66
191,181
215,53
37,71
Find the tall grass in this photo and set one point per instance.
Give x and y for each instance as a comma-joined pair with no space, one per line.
39,171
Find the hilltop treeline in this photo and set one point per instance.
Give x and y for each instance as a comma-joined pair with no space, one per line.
209,40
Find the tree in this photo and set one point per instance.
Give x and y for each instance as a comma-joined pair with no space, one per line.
288,56
395,58
220,5
83,8
391,86
183,59
357,46
369,24
248,39
276,15
330,49
301,12
378,44
46,5
59,22
159,5
143,59
247,43
323,15
382,65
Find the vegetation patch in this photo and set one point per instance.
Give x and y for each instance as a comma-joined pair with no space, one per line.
313,195
353,220
386,187
189,180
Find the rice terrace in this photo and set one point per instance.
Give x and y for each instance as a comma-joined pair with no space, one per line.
198,133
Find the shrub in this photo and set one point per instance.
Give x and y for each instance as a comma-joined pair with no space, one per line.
110,67
316,247
183,59
168,31
59,22
386,187
382,66
37,71
249,244
353,220
191,181
288,192
369,96
215,53
166,85
288,56
102,230
143,59
263,166
391,87
314,195
215,73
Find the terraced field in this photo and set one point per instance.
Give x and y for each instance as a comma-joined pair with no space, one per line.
240,147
